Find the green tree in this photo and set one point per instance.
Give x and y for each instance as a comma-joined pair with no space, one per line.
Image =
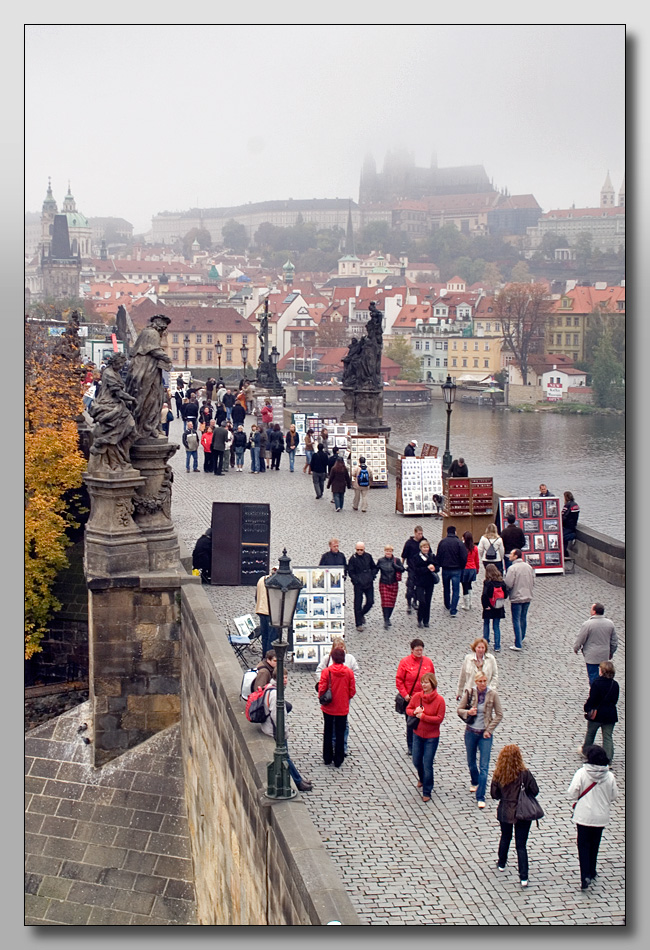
400,350
235,236
607,378
374,236
550,242
196,234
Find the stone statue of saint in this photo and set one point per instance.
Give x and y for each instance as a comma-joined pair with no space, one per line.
114,431
351,363
144,379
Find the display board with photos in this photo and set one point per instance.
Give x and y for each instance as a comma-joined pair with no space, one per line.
320,612
418,481
428,450
310,420
373,449
541,521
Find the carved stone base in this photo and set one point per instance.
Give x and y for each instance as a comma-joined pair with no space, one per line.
152,501
365,408
114,542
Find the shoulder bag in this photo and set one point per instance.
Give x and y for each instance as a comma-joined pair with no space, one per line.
588,789
528,808
326,698
400,702
594,712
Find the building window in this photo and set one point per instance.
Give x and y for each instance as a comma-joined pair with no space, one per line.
444,362
418,345
476,363
576,321
575,339
453,362
486,347
437,361
488,327
445,346
464,344
575,356
244,338
429,361
174,337
198,338
199,356
486,364
454,345
427,345
438,345
228,337
568,339
208,338
228,356
568,321
476,344
558,339
208,356
174,355
464,362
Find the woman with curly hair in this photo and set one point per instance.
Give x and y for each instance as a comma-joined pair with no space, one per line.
509,775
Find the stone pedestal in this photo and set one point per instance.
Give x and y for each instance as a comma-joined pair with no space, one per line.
114,542
365,408
152,501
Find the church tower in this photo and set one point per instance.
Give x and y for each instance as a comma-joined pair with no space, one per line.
69,204
47,217
607,194
621,194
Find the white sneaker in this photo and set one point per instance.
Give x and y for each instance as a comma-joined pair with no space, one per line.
524,883
473,788
481,804
518,649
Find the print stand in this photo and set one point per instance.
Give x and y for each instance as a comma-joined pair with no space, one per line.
540,520
320,613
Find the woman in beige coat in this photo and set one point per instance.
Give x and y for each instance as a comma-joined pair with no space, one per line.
479,659
481,709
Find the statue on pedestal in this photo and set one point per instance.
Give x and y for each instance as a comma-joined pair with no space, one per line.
144,379
362,384
114,431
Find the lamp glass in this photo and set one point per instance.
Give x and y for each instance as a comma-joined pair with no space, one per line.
218,347
449,391
274,356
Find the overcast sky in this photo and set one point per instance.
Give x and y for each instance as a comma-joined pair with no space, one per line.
143,119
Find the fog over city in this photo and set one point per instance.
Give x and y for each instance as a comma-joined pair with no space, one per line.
169,117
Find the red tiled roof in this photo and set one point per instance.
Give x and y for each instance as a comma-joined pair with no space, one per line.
211,319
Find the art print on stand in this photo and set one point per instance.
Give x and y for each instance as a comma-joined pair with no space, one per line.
550,524
530,526
551,508
543,549
539,542
335,579
537,509
317,579
320,612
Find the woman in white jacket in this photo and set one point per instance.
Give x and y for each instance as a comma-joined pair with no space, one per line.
478,660
593,789
491,543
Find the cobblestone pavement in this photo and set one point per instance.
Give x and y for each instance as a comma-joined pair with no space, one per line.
369,813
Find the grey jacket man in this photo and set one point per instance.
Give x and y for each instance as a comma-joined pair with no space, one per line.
219,439
597,639
520,579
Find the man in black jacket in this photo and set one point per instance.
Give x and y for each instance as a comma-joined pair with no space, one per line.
318,469
334,557
459,468
219,439
512,537
191,413
228,403
238,415
409,451
202,556
410,549
361,571
451,556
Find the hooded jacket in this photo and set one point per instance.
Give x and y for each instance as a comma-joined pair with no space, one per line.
318,464
341,680
593,808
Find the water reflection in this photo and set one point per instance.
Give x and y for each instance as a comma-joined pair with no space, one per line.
582,454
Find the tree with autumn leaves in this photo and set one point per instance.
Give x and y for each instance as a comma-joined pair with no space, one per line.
53,467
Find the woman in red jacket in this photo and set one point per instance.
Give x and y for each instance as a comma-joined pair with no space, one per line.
206,442
468,575
340,680
429,707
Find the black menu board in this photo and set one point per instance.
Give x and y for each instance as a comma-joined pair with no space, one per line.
241,536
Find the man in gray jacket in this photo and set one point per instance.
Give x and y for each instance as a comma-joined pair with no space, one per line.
519,580
597,640
219,439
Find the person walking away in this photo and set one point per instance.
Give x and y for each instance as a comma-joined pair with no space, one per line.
262,610
512,537
493,598
340,679
191,443
238,414
477,661
407,679
520,581
509,775
269,726
166,416
451,558
209,387
310,448
600,709
276,445
425,574
362,479
470,570
570,515
351,663
458,468
334,557
267,413
206,445
480,708
265,670
597,640
292,443
318,470
428,706
264,441
390,574
178,399
361,571
254,445
490,548
338,481
593,789
239,442
219,439
332,458
410,549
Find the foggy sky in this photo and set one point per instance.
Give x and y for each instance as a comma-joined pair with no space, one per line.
143,119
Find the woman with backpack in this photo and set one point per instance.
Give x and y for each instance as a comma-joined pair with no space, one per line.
493,599
361,477
490,548
509,775
468,575
390,574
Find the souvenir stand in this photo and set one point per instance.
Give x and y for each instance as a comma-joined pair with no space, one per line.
373,448
311,420
417,480
469,504
320,613
541,521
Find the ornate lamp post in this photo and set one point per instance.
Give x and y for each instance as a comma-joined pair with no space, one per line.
243,349
186,344
274,356
282,589
449,392
219,349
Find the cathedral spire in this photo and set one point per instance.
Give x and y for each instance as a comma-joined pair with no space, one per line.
349,234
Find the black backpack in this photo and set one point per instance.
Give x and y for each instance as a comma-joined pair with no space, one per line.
491,553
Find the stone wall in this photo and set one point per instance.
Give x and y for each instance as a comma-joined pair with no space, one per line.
519,395
255,861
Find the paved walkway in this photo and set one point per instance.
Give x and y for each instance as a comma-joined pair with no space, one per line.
382,837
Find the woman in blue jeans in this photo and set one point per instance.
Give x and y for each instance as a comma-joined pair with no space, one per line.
491,611
427,705
481,710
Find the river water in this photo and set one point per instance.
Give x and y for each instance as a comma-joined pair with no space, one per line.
584,454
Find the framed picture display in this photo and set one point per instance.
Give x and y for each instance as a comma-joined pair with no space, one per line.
539,520
317,579
374,450
320,612
334,579
245,625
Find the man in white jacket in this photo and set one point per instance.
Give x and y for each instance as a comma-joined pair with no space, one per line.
593,789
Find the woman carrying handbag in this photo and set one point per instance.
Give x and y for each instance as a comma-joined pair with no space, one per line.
480,709
509,778
428,707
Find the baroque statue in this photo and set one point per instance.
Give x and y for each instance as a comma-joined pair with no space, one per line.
114,431
144,380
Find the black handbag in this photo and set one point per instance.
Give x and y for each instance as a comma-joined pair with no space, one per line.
326,698
400,702
528,808
412,722
470,720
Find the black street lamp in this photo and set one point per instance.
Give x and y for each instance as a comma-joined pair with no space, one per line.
449,392
282,589
186,344
219,349
243,349
274,356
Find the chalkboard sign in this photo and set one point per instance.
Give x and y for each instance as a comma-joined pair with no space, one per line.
241,536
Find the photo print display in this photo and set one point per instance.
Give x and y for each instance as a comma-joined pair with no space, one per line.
523,509
508,508
537,509
553,558
302,606
318,605
335,605
317,579
334,579
303,576
535,560
551,508
553,543
526,545
530,526
550,524
320,612
539,542
244,625
542,530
